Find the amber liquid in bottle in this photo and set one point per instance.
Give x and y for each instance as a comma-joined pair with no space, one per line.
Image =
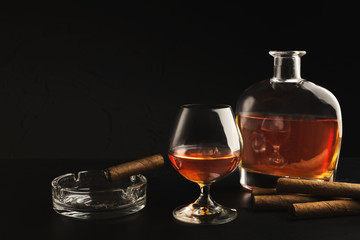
281,146
204,165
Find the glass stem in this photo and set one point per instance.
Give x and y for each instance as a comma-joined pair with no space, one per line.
205,200
276,150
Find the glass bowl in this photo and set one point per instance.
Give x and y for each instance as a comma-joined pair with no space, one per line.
84,198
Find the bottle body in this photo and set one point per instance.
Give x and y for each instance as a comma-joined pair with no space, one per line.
290,127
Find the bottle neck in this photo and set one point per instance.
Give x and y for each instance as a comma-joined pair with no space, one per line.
287,69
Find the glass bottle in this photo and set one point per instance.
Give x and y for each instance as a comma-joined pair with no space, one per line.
291,127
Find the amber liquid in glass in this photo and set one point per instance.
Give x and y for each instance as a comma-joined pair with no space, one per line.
309,148
204,165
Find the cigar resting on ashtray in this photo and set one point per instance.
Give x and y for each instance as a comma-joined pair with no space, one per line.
318,188
332,208
128,169
279,202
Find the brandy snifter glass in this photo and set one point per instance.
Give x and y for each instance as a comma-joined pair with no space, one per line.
205,147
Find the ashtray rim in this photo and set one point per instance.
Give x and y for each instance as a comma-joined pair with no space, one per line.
55,184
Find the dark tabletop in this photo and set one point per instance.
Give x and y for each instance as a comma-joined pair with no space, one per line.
27,208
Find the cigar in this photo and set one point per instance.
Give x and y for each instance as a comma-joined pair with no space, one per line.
318,188
333,208
263,191
128,169
279,202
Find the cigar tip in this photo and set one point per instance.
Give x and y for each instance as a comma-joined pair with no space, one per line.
252,200
158,160
292,211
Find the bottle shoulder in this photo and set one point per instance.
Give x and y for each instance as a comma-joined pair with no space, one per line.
300,98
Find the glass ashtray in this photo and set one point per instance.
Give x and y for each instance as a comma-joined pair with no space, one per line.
89,197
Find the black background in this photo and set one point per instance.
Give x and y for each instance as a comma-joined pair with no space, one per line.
104,80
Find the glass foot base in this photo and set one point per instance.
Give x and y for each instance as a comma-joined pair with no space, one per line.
204,215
